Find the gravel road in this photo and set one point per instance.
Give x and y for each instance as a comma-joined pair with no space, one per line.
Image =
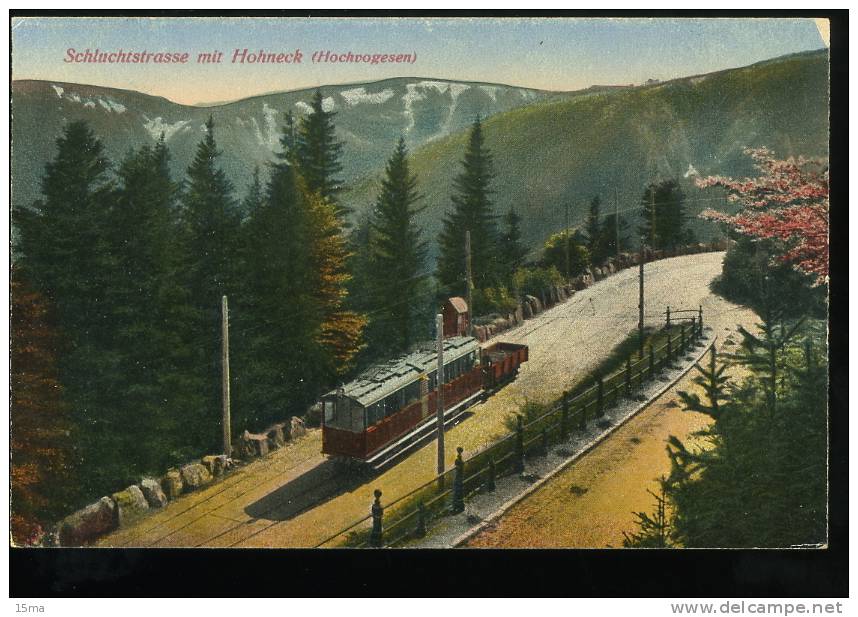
268,503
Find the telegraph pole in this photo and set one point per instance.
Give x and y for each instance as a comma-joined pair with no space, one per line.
439,400
652,214
469,279
567,240
617,219
227,437
641,300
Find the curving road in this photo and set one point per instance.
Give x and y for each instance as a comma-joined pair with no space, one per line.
294,497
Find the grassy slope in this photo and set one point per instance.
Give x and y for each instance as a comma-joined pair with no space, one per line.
565,151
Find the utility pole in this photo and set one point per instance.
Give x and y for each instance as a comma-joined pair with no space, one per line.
469,279
439,400
227,436
641,300
652,214
567,240
617,219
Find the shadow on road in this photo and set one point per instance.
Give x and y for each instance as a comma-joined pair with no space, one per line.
318,485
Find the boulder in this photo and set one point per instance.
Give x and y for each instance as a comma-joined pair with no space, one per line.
89,523
153,493
254,444
297,428
195,476
172,484
519,314
276,438
526,309
215,463
130,505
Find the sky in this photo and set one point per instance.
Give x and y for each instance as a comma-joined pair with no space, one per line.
544,53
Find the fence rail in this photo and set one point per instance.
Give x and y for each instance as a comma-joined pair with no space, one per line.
410,515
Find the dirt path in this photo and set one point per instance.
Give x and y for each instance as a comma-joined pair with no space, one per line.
266,504
590,504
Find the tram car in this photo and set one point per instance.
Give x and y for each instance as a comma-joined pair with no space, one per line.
389,408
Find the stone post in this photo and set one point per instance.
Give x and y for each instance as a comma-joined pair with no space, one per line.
458,504
651,363
375,537
628,376
564,417
519,445
490,483
420,532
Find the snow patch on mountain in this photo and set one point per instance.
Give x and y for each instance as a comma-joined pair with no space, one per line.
304,108
58,90
492,91
157,126
358,96
413,93
112,106
270,115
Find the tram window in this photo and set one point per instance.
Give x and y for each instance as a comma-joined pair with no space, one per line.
329,411
412,392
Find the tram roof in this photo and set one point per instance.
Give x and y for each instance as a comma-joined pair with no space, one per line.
379,381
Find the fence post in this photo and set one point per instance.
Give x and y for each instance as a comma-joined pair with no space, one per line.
669,357
458,484
519,444
543,447
700,318
420,532
375,538
651,363
490,484
564,417
682,338
583,424
668,317
600,397
694,327
628,376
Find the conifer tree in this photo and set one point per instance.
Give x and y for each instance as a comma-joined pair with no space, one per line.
318,152
397,253
211,224
663,217
67,253
714,382
513,251
153,327
472,211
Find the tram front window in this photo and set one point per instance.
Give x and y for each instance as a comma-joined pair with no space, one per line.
346,415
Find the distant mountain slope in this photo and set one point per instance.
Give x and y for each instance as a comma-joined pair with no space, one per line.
370,119
557,152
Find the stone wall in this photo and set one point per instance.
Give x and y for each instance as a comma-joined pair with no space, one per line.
132,503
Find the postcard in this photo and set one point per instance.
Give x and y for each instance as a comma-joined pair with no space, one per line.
400,282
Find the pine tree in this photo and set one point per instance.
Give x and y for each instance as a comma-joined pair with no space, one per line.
299,335
714,382
211,224
593,231
67,253
318,152
397,254
472,211
608,241
514,252
663,215
153,326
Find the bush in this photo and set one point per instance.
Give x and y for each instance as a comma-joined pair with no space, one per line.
494,300
554,254
533,281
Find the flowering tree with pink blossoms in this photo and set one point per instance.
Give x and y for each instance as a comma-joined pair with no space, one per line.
787,202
